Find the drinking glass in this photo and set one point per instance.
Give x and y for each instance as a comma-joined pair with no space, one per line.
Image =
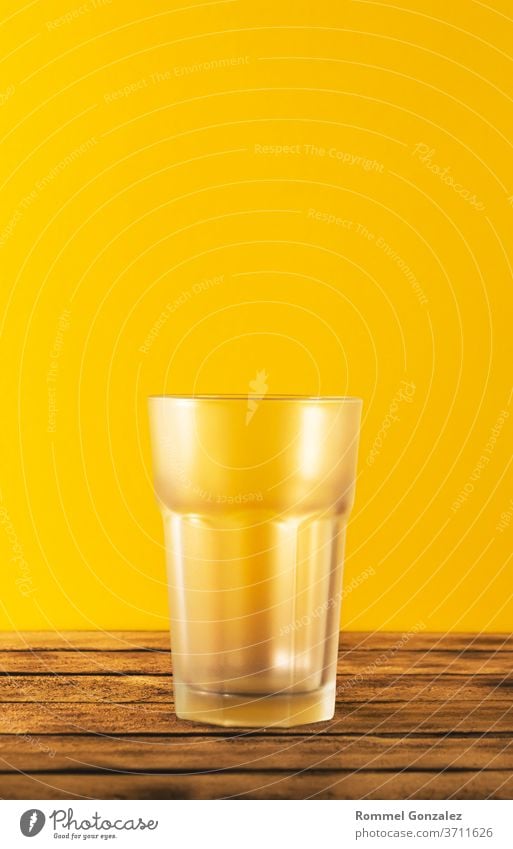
255,494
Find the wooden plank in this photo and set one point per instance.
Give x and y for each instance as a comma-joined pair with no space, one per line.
84,640
251,751
417,715
132,688
425,641
351,664
159,641
438,688
355,663
263,785
91,662
85,688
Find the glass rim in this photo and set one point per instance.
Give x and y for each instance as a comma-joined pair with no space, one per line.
244,397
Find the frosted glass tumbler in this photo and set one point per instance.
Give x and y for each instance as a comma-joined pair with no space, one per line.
255,496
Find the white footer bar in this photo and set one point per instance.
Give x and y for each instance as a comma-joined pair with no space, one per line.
245,824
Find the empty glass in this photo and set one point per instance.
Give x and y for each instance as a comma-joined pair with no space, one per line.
255,494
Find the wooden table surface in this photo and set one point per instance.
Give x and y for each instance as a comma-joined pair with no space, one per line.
90,715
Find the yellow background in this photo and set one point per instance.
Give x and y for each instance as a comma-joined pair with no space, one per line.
142,154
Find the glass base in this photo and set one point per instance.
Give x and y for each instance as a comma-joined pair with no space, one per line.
240,710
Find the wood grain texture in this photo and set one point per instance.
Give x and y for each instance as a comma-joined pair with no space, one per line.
250,751
267,785
158,688
90,715
352,663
